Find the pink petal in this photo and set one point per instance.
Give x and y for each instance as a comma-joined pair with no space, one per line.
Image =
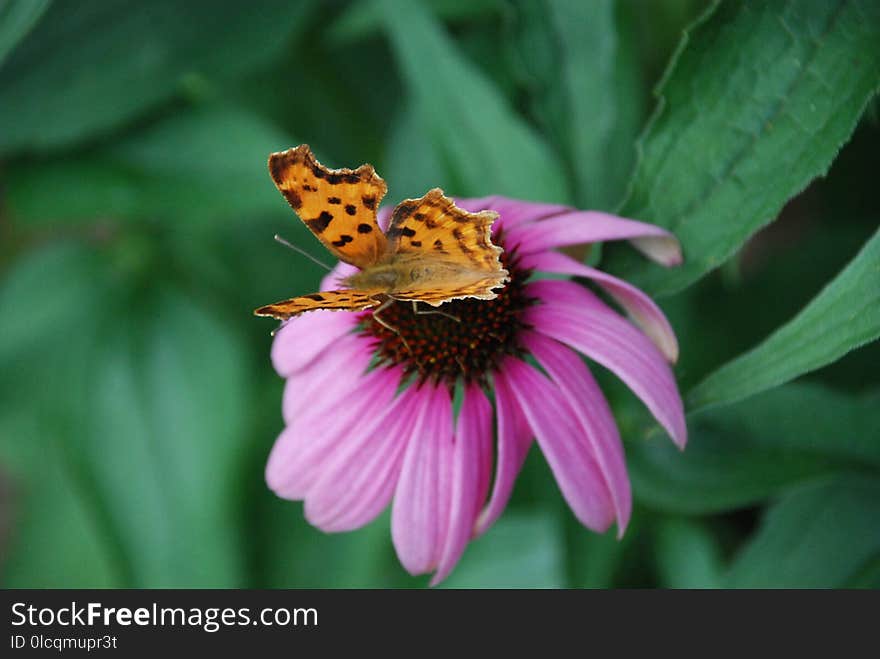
357,482
551,418
303,447
313,389
514,441
642,309
575,316
305,337
602,440
474,425
580,227
384,216
420,512
511,212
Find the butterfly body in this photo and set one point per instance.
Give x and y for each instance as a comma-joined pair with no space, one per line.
432,252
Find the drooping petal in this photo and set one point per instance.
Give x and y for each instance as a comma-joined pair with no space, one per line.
514,440
318,387
602,439
358,480
474,425
300,451
641,308
305,337
575,316
420,512
511,212
581,227
559,437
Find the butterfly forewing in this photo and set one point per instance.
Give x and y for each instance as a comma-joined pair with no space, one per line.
337,205
344,300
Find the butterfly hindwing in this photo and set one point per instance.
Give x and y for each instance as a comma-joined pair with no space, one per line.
342,300
450,248
337,205
436,227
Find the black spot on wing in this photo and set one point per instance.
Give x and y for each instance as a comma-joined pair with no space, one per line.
350,209
364,228
320,223
369,201
343,240
293,199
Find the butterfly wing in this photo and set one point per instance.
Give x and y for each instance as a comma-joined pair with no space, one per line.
343,300
450,249
337,205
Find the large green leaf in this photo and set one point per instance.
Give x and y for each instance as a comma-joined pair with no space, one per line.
522,550
50,509
484,146
297,555
742,454
198,164
88,67
844,316
580,71
136,401
412,171
17,18
47,291
688,555
364,19
819,536
160,437
755,104
47,305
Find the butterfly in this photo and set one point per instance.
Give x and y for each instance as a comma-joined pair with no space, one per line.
432,252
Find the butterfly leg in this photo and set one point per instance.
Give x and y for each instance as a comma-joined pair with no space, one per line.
431,312
378,318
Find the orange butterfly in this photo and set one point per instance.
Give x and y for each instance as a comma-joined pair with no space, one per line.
432,252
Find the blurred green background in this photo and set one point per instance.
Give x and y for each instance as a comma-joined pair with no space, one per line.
137,401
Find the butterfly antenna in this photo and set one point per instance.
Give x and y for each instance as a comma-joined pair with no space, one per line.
302,251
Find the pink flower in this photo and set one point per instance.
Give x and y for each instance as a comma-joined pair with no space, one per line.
372,421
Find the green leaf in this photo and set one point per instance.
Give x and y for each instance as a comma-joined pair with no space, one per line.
592,558
139,412
364,19
17,18
582,76
688,555
48,300
484,146
844,316
50,510
195,165
157,433
522,550
88,68
819,536
742,454
755,104
46,290
298,555
412,171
